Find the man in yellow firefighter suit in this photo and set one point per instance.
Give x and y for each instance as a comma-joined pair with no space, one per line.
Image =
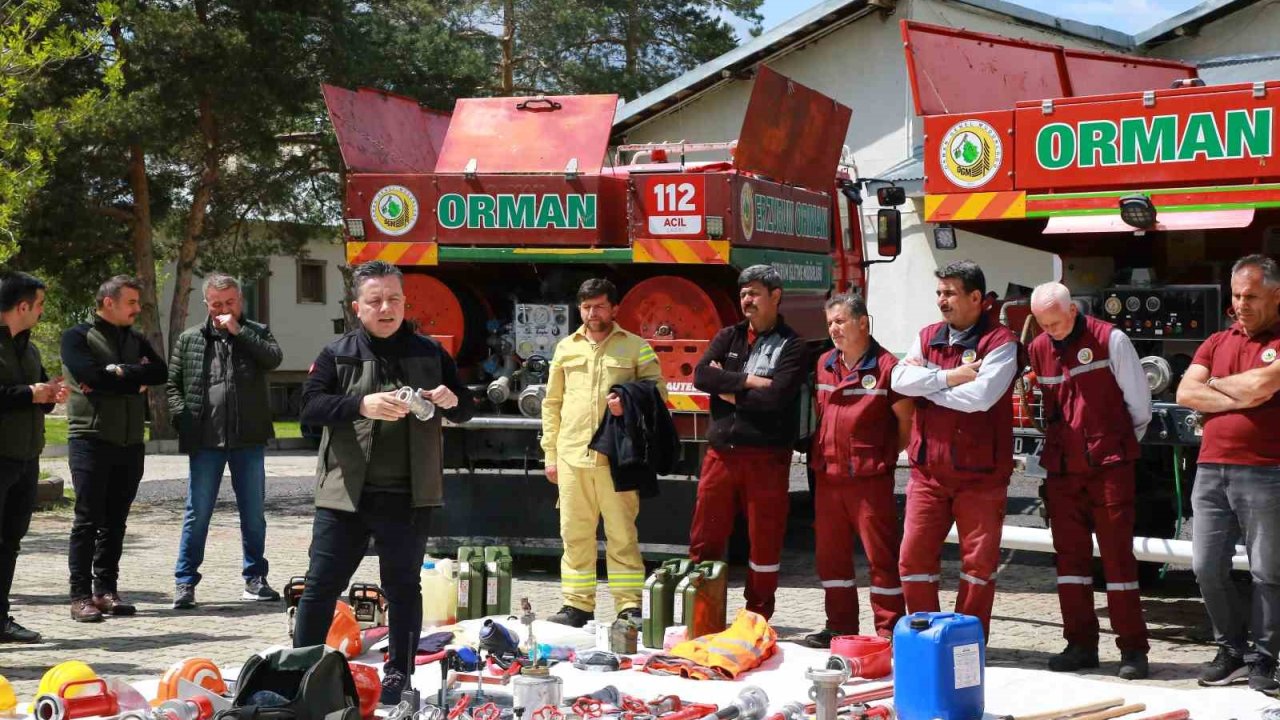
597,356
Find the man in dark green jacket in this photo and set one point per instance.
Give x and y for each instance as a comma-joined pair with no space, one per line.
26,394
108,366
218,396
380,468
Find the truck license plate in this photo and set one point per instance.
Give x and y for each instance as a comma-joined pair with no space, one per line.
1027,445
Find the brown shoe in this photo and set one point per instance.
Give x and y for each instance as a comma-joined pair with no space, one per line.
83,610
110,603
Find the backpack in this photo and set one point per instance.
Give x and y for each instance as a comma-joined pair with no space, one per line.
316,680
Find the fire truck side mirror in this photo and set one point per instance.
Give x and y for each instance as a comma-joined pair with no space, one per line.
889,232
891,196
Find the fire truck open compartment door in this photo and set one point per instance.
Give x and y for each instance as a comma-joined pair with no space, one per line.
381,132
792,134
958,71
528,134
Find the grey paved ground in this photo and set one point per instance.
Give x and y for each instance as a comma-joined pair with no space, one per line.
1026,628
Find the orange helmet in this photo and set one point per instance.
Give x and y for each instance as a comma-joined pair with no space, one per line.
368,687
344,633
200,671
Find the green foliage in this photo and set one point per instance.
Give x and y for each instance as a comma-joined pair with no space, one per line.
32,43
194,130
626,47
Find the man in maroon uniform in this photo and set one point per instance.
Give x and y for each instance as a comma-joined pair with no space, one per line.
960,372
862,426
1232,381
1096,408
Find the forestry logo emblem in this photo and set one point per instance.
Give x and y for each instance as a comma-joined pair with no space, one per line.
394,210
971,154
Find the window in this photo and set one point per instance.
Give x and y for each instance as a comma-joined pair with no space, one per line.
311,281
256,299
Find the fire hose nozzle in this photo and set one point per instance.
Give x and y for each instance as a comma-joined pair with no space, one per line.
793,711
752,704
422,408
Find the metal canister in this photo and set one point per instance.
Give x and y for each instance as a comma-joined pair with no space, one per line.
534,688
622,637
470,583
497,580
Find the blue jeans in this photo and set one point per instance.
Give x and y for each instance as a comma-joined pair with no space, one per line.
1233,503
249,480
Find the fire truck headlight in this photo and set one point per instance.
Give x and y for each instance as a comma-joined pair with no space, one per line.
355,228
1138,211
715,226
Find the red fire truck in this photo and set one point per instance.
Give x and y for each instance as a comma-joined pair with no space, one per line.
1143,181
498,212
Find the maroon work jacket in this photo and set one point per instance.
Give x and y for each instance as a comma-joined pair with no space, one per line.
857,431
974,446
1086,422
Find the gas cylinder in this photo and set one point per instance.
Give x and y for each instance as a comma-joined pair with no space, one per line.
470,583
701,599
497,580
947,657
656,602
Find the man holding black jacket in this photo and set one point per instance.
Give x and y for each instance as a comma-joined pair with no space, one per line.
26,395
108,366
380,469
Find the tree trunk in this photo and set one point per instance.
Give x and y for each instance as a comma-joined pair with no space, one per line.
508,61
189,247
348,315
631,51
144,262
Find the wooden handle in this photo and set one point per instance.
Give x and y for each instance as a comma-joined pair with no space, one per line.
1068,712
1113,713
1171,715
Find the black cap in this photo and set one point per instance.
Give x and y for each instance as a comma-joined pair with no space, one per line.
920,623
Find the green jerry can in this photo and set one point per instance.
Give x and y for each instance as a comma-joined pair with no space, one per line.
470,583
656,602
701,599
497,580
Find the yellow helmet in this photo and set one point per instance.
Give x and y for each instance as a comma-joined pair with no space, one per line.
8,701
61,674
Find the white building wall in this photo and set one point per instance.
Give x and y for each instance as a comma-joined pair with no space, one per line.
862,66
301,329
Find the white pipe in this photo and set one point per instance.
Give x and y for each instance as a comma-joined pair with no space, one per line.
1159,550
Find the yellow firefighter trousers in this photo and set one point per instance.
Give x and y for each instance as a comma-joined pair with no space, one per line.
586,495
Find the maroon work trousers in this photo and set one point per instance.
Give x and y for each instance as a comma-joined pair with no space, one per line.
1100,501
934,502
754,480
863,507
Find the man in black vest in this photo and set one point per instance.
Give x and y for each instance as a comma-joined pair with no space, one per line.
26,394
379,470
108,366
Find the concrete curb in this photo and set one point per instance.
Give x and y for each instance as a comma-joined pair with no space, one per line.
170,447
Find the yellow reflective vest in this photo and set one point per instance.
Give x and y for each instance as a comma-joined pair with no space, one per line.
743,646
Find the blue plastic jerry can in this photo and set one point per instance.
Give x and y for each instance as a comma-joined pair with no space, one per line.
939,662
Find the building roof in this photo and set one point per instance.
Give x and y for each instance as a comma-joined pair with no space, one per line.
810,25
1187,22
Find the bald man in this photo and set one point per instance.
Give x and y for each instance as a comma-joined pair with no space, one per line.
1096,408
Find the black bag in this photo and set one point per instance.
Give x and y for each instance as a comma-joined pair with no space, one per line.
315,681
